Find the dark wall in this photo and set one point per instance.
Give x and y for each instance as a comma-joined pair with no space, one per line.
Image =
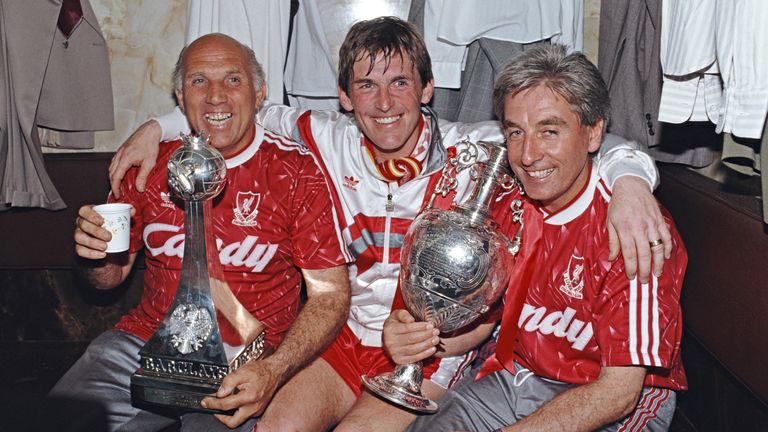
37,238
724,301
48,313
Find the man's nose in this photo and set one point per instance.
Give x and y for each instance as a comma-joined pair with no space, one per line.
383,99
531,151
215,94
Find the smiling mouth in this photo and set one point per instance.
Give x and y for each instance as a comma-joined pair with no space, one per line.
386,120
217,119
540,174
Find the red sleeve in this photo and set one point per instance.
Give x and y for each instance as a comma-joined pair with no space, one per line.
141,201
641,324
315,236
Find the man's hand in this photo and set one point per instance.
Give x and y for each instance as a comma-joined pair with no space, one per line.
634,221
140,149
90,238
408,341
247,390
91,243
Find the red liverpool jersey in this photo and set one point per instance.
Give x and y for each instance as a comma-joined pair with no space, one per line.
273,218
582,313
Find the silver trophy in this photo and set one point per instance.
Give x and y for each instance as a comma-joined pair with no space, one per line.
185,360
454,263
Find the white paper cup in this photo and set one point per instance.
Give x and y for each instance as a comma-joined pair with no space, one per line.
117,220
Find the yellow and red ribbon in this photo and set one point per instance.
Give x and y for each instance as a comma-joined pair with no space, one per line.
400,170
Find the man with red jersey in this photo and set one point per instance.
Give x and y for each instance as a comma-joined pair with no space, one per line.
273,224
383,163
581,347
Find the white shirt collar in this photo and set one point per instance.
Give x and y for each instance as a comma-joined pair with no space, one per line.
247,153
577,206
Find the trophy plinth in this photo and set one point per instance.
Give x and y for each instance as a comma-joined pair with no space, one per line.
185,359
174,382
454,265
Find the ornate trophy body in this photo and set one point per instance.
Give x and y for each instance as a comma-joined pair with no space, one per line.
454,264
185,359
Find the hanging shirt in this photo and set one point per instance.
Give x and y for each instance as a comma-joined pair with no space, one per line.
708,37
691,88
310,72
261,25
742,50
447,32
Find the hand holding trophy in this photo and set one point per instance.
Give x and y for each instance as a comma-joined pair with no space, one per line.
454,264
185,359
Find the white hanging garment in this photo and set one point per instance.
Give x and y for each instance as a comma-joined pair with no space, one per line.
451,25
260,24
310,75
742,51
691,90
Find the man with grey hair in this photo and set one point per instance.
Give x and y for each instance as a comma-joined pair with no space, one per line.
581,346
274,225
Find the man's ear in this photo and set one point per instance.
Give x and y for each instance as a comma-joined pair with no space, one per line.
180,99
344,100
261,94
428,92
596,136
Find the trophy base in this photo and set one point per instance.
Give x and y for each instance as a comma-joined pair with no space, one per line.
172,393
172,383
384,386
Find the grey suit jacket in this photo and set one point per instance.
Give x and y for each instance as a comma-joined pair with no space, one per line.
45,81
630,62
77,89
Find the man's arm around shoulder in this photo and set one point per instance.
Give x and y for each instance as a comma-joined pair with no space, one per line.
634,219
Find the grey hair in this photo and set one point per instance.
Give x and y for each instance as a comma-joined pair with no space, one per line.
571,76
257,72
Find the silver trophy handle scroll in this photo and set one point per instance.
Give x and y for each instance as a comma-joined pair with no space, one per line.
454,263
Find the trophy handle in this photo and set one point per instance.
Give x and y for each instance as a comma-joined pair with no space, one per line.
517,216
466,157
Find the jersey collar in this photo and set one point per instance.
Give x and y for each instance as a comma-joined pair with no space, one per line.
578,205
248,151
